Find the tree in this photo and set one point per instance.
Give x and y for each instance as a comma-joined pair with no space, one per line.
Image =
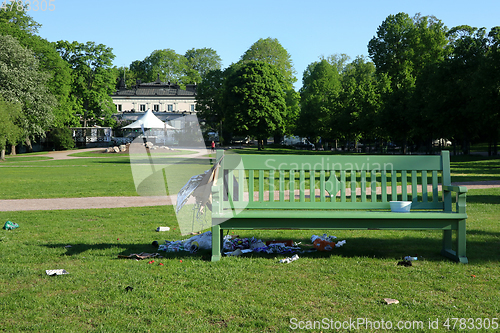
18,20
22,82
209,100
490,101
270,51
319,102
10,133
361,100
254,100
21,26
464,84
168,64
92,80
200,62
401,49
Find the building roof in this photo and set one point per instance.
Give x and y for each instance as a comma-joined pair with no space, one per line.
156,88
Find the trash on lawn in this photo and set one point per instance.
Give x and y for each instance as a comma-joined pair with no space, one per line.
129,288
193,244
163,229
409,258
391,301
247,245
325,242
285,242
54,272
405,263
140,256
289,260
10,225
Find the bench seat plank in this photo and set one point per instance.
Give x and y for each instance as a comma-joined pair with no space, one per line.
338,215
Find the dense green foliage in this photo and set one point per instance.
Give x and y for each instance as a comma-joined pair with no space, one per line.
255,99
22,82
92,80
425,81
61,138
172,67
10,117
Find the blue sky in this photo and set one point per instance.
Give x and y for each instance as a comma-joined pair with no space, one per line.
307,29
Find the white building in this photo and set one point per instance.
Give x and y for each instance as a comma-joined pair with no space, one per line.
158,96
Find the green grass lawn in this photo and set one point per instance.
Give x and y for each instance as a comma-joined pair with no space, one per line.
252,293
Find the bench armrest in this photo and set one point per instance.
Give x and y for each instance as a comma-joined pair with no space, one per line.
460,196
452,188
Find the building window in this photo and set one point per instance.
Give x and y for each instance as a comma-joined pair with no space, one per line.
192,107
170,107
119,107
156,107
142,107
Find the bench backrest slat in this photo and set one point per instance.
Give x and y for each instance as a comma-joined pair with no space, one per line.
333,181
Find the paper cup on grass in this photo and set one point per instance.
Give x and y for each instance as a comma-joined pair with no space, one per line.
400,206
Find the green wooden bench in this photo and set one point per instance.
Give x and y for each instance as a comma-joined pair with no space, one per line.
338,192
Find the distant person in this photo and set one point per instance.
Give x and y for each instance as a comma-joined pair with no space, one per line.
213,145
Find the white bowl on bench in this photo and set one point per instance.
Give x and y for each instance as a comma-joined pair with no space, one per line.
400,206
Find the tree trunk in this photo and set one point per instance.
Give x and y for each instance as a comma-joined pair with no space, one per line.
28,144
12,150
2,155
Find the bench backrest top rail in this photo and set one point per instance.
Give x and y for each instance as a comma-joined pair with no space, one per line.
332,181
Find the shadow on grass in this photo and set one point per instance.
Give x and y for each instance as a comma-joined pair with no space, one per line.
427,247
126,250
483,199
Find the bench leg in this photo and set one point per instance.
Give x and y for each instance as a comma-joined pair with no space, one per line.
216,242
461,243
460,254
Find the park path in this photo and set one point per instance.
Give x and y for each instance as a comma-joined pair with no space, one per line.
134,201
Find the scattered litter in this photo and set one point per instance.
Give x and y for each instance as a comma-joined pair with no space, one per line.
289,260
163,229
473,276
193,244
391,301
405,263
142,255
231,243
409,258
10,225
54,272
129,288
152,261
325,242
235,253
285,242
68,246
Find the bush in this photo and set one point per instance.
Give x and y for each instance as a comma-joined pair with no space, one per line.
61,138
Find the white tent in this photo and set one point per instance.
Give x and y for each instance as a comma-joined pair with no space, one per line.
149,120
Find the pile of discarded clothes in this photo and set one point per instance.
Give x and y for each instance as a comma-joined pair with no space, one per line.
235,245
193,244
